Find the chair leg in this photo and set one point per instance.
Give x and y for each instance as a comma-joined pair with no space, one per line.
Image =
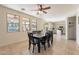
44,47
51,40
48,43
29,46
38,48
33,48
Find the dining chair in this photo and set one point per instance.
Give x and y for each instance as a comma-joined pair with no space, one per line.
30,37
43,41
32,41
51,36
48,38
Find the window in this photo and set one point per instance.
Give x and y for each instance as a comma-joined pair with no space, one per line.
13,23
25,24
34,25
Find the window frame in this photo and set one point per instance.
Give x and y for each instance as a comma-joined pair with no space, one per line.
28,21
14,23
34,23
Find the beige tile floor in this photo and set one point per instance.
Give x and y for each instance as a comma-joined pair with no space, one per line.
62,47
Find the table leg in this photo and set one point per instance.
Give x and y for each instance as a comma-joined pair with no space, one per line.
38,46
29,45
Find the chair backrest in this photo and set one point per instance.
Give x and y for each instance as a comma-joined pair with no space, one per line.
44,38
30,35
47,34
51,33
31,38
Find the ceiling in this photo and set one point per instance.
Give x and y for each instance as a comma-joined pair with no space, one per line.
57,12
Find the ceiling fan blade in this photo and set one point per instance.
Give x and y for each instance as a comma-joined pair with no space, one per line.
46,8
45,12
40,7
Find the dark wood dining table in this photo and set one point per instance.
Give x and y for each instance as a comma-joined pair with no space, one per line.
39,38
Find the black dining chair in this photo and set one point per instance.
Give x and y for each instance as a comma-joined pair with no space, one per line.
32,41
43,41
30,37
48,38
51,36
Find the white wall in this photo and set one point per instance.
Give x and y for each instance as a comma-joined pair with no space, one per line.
77,27
66,32
40,24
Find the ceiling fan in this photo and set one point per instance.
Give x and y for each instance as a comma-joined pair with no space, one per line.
41,9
